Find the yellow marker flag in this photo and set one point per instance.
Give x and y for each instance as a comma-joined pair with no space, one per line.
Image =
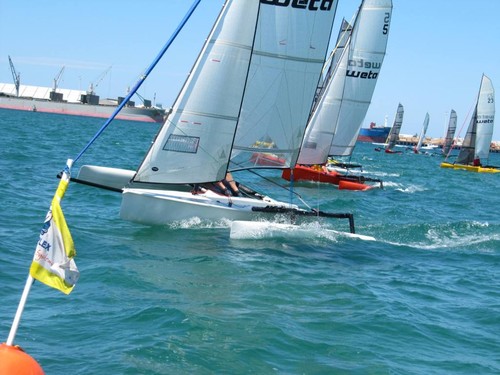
53,262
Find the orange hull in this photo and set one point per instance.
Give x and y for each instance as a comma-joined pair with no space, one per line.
303,173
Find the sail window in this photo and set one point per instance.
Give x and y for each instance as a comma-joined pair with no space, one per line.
310,144
182,143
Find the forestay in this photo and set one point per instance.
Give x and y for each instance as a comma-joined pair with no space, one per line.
289,52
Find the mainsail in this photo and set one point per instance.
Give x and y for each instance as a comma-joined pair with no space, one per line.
287,58
476,144
254,78
195,142
335,123
393,136
366,54
450,132
423,132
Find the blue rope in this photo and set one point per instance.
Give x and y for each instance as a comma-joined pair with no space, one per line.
141,79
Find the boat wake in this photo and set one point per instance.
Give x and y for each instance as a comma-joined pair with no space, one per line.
410,189
463,235
255,230
197,223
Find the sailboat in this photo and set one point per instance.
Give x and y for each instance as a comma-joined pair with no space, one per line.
475,150
255,78
450,133
335,122
393,136
423,132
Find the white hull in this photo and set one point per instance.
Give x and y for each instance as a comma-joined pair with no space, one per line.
160,207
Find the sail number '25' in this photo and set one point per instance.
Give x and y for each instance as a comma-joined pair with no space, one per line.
385,29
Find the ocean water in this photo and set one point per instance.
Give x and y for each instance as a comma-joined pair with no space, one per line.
424,298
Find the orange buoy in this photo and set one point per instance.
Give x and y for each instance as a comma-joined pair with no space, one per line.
351,185
14,361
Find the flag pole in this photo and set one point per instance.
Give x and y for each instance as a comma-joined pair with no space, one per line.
20,309
30,280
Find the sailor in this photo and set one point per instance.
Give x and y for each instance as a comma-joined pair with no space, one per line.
228,186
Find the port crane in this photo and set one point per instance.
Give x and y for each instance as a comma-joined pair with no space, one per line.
93,86
16,76
57,78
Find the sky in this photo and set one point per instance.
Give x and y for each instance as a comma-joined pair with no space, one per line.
436,53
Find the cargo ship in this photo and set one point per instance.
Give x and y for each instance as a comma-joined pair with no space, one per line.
74,102
374,133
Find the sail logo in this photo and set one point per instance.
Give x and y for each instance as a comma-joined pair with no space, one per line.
360,63
314,5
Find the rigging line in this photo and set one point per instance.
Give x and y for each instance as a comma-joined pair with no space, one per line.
141,79
281,186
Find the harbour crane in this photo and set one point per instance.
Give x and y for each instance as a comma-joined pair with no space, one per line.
16,76
93,85
57,78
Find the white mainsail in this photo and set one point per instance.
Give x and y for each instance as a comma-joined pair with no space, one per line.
485,119
366,54
288,56
321,126
476,144
450,132
393,136
195,142
423,132
335,123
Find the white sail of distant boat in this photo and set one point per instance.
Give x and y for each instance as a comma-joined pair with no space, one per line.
254,79
475,149
450,132
393,136
337,119
422,135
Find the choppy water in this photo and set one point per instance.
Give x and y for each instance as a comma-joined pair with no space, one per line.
422,299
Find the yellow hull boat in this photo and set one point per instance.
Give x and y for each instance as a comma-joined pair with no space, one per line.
471,168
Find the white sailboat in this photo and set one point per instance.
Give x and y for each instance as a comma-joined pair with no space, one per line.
475,149
255,78
337,117
450,133
393,136
421,137
334,126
